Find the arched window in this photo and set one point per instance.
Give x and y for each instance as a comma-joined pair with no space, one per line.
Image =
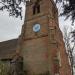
36,8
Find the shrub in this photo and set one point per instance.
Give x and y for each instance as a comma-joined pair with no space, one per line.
3,69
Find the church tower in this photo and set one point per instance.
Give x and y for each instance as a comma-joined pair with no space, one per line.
42,45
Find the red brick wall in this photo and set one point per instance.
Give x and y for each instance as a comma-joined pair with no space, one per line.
36,55
40,50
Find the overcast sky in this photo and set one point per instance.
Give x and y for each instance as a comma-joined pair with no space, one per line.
10,27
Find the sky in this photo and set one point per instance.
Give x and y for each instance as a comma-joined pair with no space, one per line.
10,27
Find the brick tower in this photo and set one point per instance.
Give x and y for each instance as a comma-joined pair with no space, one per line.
42,45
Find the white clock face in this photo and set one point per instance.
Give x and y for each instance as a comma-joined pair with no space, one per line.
36,27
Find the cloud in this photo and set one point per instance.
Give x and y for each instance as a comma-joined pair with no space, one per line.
10,27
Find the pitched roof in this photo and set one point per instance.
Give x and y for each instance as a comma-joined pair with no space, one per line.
8,49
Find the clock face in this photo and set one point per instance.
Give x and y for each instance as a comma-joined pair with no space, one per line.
36,28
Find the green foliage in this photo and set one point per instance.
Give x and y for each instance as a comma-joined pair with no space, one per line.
3,69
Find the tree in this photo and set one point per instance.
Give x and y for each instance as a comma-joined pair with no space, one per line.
14,8
68,9
69,39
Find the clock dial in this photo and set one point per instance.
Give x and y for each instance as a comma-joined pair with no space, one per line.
36,28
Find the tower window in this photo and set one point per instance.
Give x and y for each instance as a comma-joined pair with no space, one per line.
36,8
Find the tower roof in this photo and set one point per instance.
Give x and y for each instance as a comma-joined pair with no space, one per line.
8,49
